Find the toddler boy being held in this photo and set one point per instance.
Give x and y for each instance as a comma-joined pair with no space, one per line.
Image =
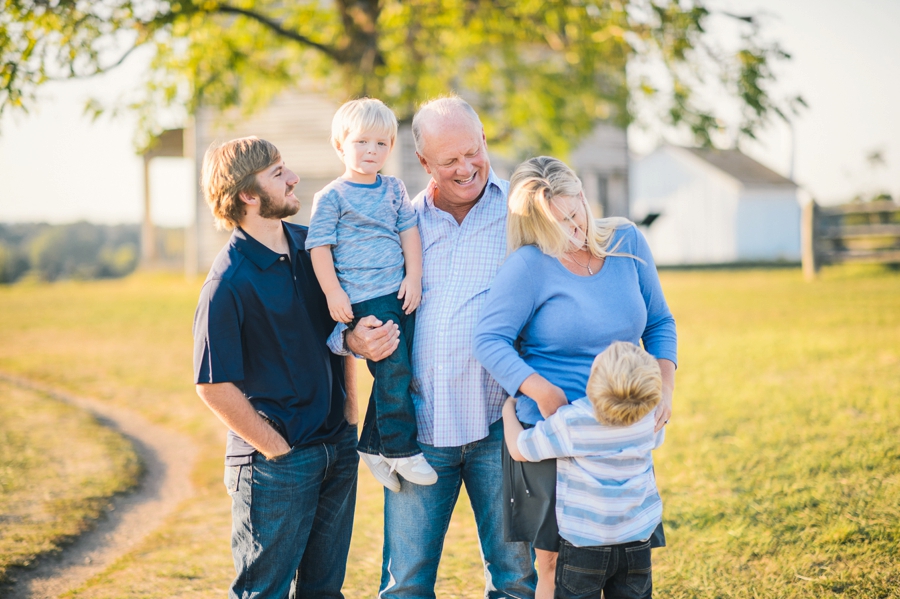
367,255
607,503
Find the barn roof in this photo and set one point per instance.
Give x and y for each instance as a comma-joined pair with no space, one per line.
740,166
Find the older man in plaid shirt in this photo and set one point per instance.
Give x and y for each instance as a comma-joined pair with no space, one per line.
462,220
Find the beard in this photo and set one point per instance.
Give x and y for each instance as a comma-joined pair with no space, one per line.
269,209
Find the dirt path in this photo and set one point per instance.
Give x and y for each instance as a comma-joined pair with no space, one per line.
168,459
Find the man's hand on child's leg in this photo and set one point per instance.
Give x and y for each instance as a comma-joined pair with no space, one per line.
372,339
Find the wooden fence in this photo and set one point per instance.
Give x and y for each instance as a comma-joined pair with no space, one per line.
867,232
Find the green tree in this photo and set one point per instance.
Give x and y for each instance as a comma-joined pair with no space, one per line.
541,72
12,263
83,250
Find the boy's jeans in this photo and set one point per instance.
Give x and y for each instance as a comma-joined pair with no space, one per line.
390,425
620,571
291,521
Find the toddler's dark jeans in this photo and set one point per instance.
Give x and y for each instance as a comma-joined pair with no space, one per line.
390,425
620,571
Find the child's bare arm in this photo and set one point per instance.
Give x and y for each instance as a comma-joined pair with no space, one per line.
512,428
411,287
338,300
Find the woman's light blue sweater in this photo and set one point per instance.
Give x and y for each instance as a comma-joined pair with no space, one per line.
560,321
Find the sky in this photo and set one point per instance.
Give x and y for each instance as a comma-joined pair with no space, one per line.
56,165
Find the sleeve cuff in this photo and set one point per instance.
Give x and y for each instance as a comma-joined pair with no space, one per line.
406,226
524,448
337,341
319,242
516,379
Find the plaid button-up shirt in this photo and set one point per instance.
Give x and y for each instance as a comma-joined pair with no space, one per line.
456,399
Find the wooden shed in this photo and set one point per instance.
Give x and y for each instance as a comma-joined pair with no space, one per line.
707,206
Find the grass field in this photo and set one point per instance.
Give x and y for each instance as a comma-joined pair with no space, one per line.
58,467
780,473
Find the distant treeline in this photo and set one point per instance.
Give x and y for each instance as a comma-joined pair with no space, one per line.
79,250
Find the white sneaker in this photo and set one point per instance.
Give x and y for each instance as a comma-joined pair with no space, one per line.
414,469
382,471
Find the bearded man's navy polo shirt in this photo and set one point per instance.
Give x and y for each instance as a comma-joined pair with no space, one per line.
261,324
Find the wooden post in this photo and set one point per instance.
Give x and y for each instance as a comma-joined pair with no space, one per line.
191,234
148,231
168,143
809,258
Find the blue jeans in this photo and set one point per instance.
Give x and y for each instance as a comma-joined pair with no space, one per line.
620,571
291,521
416,521
390,426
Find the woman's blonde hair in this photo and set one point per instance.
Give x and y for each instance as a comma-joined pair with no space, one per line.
625,384
364,114
532,188
230,169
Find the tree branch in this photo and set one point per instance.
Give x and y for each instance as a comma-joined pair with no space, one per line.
745,18
100,70
277,28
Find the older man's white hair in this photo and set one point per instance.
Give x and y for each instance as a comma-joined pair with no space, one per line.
441,107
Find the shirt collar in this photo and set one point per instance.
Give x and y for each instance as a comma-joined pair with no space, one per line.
494,180
255,251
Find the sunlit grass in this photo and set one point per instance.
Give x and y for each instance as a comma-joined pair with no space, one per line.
779,473
58,467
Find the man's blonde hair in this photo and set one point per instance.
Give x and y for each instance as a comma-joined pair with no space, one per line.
230,169
532,188
625,384
364,114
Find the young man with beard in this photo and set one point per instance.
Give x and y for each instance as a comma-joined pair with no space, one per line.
262,366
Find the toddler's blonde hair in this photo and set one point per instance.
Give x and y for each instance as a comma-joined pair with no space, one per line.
625,384
364,114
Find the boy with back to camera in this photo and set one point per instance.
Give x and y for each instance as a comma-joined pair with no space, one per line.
607,503
367,254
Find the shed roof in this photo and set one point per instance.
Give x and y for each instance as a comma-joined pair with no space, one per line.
740,166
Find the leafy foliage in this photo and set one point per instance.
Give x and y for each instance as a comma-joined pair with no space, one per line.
541,72
76,251
12,263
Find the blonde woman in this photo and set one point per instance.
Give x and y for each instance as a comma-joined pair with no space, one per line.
570,287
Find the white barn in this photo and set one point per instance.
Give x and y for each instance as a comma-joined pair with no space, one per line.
705,206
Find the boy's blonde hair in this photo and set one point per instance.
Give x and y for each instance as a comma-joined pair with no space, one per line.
532,188
625,384
230,169
364,114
